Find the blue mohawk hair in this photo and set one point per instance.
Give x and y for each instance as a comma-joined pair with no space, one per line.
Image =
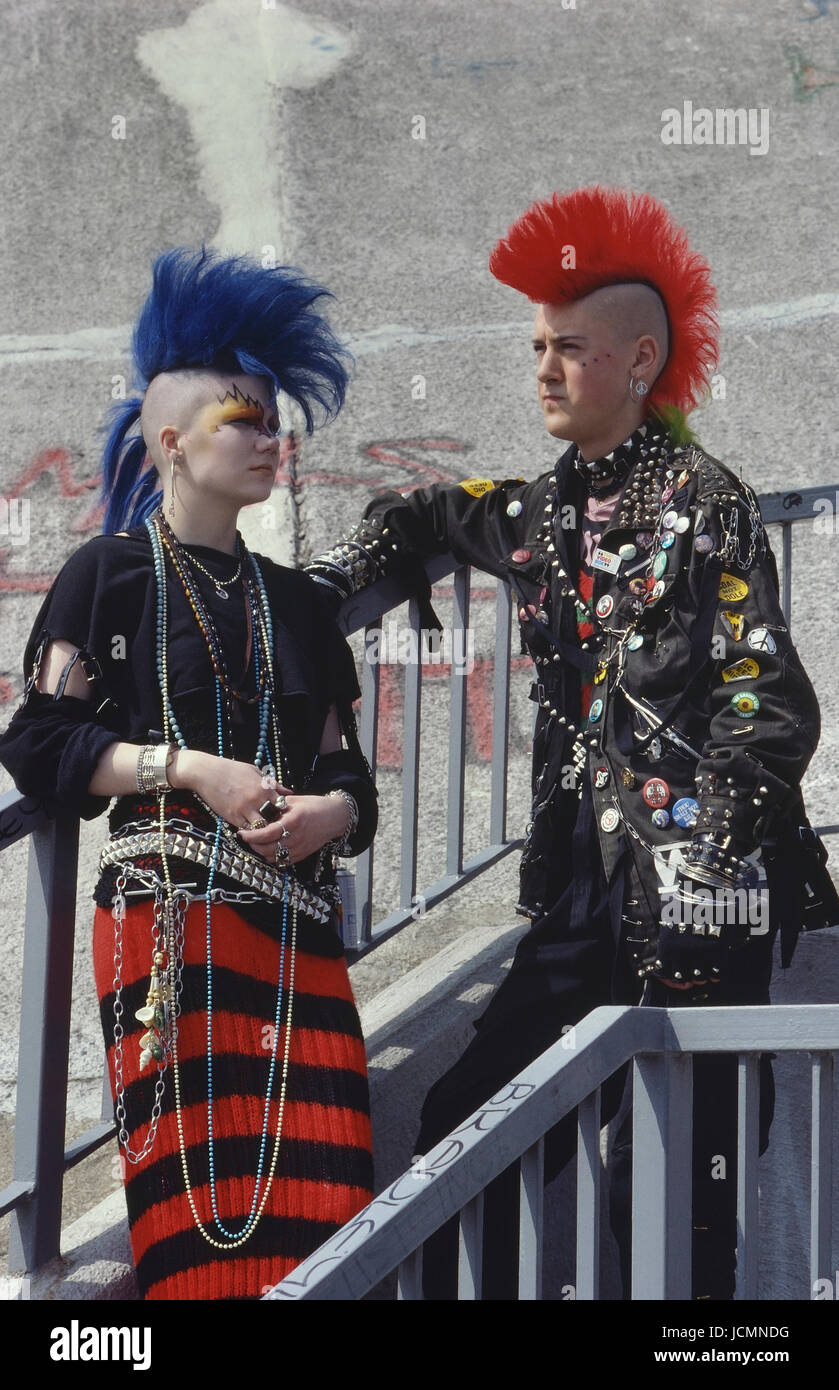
230,314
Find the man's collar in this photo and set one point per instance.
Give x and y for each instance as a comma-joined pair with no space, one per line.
606,474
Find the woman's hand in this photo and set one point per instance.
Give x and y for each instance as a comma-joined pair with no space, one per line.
235,791
309,823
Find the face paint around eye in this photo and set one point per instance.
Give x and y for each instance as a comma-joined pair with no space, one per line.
234,407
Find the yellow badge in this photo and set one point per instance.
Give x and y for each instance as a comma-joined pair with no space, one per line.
478,486
600,673
744,670
734,622
732,589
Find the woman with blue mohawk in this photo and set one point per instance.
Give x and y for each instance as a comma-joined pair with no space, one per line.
208,690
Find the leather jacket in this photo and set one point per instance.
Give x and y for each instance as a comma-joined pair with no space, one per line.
697,683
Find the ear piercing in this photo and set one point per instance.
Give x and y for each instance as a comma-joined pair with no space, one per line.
637,389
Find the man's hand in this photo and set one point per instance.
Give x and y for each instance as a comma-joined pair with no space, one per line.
696,935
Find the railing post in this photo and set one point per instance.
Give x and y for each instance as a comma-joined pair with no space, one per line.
822,1265
457,727
662,1128
531,1221
44,1042
748,1118
786,578
588,1197
410,767
368,734
471,1250
500,716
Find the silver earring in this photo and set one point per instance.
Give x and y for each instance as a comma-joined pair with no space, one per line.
637,389
172,460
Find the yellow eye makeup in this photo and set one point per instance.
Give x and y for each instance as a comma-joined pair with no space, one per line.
233,406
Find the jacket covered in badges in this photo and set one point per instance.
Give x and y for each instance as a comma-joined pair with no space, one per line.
697,683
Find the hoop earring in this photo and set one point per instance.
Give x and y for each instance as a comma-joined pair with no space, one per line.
637,389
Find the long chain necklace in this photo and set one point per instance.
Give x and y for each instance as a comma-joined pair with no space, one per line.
222,585
263,647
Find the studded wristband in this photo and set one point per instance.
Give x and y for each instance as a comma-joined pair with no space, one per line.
710,860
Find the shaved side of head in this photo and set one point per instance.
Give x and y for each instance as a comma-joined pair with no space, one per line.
633,311
174,398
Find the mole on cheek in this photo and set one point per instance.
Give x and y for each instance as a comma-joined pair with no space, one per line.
583,364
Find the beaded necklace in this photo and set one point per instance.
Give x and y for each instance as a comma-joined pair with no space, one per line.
262,649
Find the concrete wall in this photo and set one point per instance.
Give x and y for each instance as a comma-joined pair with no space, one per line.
134,128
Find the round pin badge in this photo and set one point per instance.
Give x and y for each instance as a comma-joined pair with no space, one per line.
667,493
627,552
760,640
745,703
595,711
660,818
601,777
656,792
644,539
514,509
637,586
659,564
635,641
610,820
666,539
686,811
704,544
520,557
604,606
681,524
669,519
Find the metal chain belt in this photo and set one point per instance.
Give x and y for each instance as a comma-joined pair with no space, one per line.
263,878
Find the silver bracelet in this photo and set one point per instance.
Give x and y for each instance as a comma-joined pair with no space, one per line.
342,846
163,754
145,769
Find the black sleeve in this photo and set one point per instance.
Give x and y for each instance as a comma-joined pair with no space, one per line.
765,720
347,767
397,534
52,746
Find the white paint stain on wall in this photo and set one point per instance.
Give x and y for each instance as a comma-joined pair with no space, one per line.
97,344
227,66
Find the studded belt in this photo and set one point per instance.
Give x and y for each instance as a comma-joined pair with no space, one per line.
244,868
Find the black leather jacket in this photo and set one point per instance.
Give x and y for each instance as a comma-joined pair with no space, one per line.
712,664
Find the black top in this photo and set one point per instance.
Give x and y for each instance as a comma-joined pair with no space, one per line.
104,601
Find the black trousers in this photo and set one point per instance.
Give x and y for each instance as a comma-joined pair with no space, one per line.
573,959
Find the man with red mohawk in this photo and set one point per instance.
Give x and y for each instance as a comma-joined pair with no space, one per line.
675,720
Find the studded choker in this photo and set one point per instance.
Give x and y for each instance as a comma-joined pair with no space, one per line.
606,474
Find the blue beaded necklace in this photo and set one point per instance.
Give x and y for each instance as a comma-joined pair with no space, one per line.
262,628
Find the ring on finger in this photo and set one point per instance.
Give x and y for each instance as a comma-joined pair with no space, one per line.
258,824
285,834
280,854
281,804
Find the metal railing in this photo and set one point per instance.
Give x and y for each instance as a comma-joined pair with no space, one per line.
390,1232
34,1195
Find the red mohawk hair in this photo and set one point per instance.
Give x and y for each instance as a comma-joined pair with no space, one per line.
616,237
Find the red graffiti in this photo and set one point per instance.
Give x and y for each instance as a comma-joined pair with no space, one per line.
407,455
389,741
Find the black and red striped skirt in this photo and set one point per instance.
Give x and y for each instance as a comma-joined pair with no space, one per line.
324,1173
